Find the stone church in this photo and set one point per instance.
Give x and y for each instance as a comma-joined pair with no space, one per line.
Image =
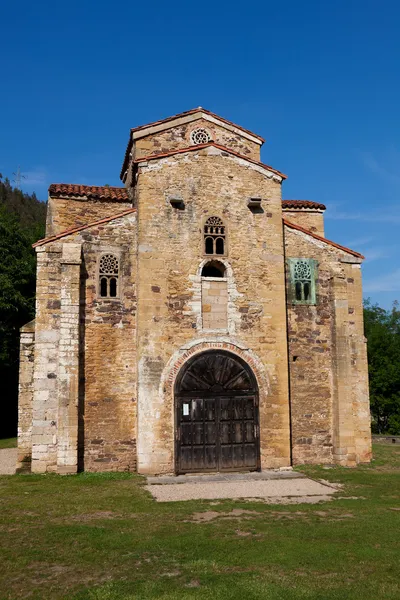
192,320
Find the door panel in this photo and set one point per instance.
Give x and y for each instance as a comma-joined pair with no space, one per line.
216,434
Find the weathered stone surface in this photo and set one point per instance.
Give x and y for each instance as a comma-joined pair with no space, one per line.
327,360
98,373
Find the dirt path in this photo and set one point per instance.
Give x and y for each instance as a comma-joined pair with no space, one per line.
281,490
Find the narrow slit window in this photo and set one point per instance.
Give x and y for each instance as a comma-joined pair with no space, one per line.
219,246
302,280
214,236
108,276
209,245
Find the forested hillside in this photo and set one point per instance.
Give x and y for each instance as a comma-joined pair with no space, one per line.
22,222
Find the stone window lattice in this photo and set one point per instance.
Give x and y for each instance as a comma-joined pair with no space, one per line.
200,136
108,276
302,274
214,236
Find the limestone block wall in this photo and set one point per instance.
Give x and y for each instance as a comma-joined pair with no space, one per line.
66,213
327,360
107,388
45,377
311,220
179,137
352,423
68,359
25,397
170,250
214,304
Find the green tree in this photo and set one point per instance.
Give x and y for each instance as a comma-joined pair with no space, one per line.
382,329
21,223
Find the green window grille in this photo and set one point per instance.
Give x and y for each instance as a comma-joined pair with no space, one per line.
302,280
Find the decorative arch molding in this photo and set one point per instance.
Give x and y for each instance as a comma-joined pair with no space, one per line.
221,259
181,356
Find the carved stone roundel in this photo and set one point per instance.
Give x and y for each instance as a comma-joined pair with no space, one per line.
108,265
200,136
302,270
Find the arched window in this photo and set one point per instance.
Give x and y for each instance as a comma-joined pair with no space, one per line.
213,268
108,276
302,279
214,236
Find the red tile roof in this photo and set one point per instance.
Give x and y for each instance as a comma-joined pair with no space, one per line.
91,192
66,232
207,145
293,204
322,239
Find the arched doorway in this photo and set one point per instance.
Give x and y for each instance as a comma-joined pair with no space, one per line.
216,400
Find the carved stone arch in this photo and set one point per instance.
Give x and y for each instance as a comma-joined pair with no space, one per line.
165,447
216,405
179,358
221,259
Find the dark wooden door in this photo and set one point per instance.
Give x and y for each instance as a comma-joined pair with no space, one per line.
216,415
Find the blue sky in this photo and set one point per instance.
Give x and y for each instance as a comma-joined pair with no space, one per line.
318,80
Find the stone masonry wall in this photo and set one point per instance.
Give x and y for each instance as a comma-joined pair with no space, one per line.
170,252
108,351
325,380
66,213
25,396
214,304
313,221
179,137
47,335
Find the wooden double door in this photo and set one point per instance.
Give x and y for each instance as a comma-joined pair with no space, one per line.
216,415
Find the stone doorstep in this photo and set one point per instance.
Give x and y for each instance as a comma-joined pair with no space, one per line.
223,477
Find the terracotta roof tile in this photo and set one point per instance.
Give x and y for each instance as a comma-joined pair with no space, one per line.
66,232
303,204
207,145
91,192
322,239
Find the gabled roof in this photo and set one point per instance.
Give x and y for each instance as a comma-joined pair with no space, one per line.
208,145
189,115
193,111
66,232
91,192
299,204
322,239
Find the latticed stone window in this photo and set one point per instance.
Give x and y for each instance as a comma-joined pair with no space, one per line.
200,136
108,276
302,279
214,236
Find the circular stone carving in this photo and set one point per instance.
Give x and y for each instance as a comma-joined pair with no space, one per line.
200,136
108,265
302,270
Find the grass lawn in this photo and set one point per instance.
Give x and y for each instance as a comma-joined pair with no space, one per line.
8,443
102,537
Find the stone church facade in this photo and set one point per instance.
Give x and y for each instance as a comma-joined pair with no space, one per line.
192,320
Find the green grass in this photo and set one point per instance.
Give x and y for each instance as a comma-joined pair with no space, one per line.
102,537
8,443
